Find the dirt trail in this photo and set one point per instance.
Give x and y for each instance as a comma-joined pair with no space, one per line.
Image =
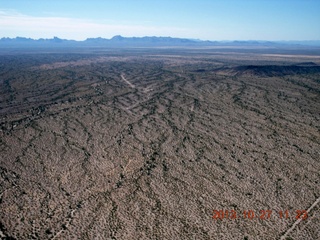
129,83
284,236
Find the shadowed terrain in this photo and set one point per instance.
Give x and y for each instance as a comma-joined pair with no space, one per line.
147,143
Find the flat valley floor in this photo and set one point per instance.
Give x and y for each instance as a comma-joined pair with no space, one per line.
160,144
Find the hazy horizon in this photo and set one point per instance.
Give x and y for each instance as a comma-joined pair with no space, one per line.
242,20
173,37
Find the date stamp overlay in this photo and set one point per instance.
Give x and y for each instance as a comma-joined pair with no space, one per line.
224,214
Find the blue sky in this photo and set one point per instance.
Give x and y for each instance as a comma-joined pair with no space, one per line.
199,19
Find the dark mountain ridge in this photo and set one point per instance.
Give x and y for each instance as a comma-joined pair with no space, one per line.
273,70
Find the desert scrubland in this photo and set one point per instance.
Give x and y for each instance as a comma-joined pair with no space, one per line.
147,143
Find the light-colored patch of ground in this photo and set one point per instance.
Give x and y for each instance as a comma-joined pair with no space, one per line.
78,63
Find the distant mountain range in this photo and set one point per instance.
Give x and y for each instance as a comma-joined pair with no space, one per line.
119,41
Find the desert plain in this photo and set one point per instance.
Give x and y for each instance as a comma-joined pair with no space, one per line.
160,143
